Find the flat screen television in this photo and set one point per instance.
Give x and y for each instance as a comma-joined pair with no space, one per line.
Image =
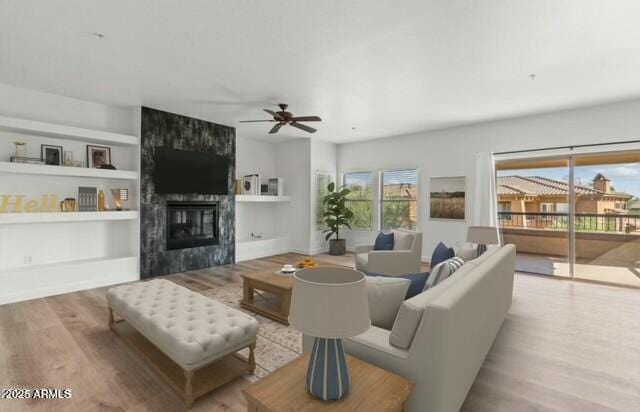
185,172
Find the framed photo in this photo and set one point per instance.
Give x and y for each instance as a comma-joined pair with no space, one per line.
51,155
447,198
98,156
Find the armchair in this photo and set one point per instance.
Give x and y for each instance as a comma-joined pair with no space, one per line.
403,259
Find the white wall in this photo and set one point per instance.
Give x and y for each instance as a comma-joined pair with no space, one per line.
293,160
256,156
324,158
452,152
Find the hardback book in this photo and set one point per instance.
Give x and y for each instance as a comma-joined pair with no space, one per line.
87,199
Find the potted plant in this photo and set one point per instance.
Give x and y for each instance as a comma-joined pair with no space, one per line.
336,214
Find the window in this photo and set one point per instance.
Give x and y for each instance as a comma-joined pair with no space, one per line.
360,200
546,208
398,203
504,207
322,180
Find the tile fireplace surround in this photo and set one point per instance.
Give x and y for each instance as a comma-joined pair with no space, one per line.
162,129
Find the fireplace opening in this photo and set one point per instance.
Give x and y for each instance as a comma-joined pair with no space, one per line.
191,224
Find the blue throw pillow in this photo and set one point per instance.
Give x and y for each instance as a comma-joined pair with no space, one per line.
441,253
384,241
418,280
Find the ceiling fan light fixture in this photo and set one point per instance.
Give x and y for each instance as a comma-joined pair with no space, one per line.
283,118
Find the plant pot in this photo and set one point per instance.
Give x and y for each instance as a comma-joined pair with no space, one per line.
337,247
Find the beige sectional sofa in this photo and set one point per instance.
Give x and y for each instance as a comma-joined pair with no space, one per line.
441,337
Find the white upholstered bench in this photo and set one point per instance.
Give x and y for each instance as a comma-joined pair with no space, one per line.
189,328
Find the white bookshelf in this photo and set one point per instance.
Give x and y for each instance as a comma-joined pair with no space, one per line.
263,199
47,253
44,129
48,170
63,217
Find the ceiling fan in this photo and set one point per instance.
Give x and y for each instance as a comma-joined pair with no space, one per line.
283,117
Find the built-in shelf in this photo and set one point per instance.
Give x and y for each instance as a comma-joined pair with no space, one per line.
48,170
66,264
249,198
47,279
33,127
61,217
247,249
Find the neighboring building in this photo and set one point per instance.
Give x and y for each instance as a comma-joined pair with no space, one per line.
535,194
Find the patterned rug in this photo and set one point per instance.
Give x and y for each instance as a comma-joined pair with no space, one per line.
276,345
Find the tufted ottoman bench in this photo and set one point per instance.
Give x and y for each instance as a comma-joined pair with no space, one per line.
189,328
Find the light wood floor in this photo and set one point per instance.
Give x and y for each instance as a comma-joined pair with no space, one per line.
565,346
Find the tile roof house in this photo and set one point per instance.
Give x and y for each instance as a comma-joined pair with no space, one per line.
535,194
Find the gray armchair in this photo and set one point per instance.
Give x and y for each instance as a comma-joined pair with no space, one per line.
403,259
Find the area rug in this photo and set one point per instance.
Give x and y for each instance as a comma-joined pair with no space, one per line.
276,344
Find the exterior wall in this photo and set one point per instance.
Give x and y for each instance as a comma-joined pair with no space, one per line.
589,246
587,206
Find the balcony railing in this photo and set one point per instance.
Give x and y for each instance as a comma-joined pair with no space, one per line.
560,221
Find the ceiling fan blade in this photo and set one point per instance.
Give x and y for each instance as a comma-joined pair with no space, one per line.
254,121
275,128
303,127
274,114
306,119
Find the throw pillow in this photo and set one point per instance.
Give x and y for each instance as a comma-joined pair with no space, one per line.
417,280
443,271
440,254
470,251
385,297
384,241
402,240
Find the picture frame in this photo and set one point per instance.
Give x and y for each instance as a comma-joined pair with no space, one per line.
98,156
51,154
448,198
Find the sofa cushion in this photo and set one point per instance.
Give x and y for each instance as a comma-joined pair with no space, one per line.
187,326
470,251
384,241
411,311
402,240
417,280
440,254
362,260
443,271
386,294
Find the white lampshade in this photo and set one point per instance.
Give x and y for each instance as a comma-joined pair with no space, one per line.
330,302
483,234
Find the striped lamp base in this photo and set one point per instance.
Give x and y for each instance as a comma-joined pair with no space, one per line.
327,374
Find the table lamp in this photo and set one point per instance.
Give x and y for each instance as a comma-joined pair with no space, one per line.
329,303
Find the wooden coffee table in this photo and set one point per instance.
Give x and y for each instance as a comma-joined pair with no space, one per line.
278,285
372,389
268,281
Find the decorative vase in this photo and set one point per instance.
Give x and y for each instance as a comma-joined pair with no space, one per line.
102,203
68,158
337,247
21,149
328,374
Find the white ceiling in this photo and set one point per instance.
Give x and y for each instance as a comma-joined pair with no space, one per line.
383,67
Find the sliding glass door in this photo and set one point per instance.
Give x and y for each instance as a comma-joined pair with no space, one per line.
533,213
607,218
573,216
